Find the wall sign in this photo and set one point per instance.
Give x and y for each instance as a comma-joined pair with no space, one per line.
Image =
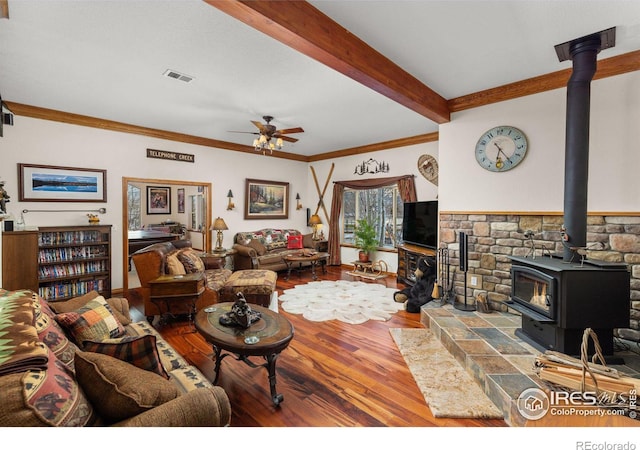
173,156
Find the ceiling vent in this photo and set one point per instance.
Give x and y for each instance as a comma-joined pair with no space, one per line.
178,76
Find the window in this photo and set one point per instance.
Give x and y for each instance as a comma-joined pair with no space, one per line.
382,206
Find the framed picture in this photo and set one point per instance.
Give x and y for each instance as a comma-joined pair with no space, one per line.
266,200
180,200
158,200
38,183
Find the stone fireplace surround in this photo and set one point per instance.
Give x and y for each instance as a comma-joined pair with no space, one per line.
493,237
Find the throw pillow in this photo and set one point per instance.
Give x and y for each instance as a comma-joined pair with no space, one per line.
294,242
50,333
276,244
174,265
191,260
52,396
117,306
94,321
307,241
141,351
119,390
257,246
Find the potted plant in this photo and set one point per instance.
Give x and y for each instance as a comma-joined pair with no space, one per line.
366,239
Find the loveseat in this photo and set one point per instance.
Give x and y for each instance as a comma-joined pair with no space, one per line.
264,249
83,362
177,258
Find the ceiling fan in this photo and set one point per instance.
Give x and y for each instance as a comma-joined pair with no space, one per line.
267,132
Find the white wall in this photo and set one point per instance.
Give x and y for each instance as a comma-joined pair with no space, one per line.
537,183
35,141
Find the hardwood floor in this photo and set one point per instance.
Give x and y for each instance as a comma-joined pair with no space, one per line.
332,374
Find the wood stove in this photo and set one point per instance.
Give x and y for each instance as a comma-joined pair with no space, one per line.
559,299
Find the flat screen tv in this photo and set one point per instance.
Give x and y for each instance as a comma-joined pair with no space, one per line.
420,223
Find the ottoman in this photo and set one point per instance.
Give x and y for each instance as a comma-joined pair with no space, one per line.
257,286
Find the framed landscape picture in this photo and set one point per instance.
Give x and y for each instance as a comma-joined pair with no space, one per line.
158,200
266,200
38,183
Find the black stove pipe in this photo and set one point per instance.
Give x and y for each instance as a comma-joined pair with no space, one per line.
576,172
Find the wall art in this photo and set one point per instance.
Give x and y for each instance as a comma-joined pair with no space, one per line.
266,200
371,166
38,183
158,200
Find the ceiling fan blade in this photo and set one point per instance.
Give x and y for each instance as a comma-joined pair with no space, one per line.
259,125
288,139
290,130
246,132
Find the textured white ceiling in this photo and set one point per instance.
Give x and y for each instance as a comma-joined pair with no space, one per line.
106,59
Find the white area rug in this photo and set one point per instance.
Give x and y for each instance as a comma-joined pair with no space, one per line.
352,302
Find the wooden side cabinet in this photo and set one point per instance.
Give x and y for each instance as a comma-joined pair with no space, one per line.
321,246
19,260
408,257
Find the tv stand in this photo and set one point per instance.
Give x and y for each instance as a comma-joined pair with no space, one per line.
408,257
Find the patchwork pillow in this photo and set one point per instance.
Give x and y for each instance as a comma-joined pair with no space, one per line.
294,242
191,260
141,351
174,265
93,322
257,246
119,306
119,390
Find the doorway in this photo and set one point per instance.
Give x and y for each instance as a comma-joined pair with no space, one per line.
177,207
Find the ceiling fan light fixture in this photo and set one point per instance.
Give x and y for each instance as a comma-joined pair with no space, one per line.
270,138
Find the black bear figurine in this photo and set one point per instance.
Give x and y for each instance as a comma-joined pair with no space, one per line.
421,292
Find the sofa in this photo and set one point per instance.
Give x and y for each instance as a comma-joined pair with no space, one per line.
264,249
83,362
177,258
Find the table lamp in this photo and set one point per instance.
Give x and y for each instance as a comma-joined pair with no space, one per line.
314,221
219,225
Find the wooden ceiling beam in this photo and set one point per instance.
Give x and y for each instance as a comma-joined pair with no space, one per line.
608,67
4,9
306,29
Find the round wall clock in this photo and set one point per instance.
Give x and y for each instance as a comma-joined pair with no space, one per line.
501,148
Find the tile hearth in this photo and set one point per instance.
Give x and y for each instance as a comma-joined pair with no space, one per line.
486,346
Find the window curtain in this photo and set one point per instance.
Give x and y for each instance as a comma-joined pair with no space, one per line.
406,187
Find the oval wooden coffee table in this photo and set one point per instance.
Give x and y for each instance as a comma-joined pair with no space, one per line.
273,332
313,260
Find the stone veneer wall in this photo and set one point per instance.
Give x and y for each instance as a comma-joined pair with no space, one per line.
494,237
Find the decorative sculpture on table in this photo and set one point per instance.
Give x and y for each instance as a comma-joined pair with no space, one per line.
241,314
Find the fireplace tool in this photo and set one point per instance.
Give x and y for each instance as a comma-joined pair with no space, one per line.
464,266
444,272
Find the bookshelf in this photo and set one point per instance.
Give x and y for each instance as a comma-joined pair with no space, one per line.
69,261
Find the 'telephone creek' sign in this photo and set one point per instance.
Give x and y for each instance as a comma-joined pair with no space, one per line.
173,156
